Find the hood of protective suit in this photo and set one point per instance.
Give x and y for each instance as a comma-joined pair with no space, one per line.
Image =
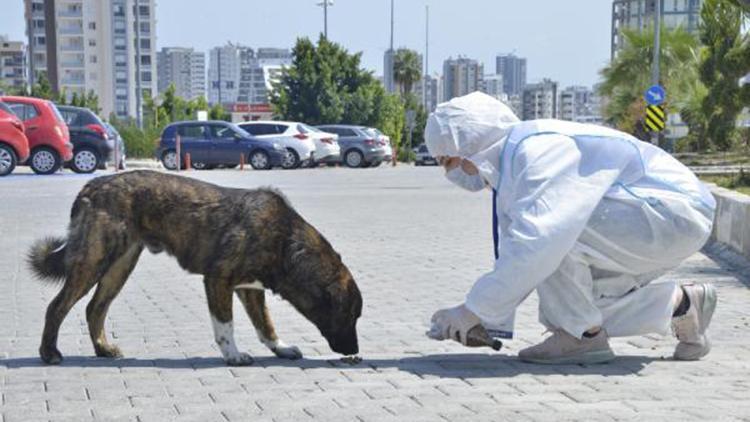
464,126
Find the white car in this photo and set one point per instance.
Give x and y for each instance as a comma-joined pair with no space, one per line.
299,145
327,149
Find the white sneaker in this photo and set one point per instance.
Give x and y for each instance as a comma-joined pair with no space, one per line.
690,328
562,348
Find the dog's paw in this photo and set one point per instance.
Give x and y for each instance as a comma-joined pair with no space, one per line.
240,359
108,351
50,356
287,352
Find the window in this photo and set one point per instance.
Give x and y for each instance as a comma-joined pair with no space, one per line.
230,85
23,111
70,117
145,43
144,10
38,23
146,76
222,132
92,25
145,28
260,129
92,43
37,7
118,10
120,59
192,131
146,60
92,59
41,41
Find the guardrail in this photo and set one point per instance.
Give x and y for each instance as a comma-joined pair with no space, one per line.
732,221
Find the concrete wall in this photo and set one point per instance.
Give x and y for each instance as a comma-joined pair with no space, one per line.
732,224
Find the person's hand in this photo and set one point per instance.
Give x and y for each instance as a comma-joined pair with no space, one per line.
453,324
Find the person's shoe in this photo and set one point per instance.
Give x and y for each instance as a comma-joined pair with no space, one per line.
562,348
690,328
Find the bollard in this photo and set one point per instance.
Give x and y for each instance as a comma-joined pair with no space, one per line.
179,161
242,161
187,161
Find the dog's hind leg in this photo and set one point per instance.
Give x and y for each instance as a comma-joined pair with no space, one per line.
254,302
72,291
219,295
107,289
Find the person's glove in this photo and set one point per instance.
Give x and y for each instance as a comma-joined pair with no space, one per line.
453,324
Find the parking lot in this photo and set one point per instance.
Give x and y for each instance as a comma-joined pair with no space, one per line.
415,244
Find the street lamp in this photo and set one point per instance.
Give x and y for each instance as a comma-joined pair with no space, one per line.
325,4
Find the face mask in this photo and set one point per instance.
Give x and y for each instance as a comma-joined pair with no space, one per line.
461,179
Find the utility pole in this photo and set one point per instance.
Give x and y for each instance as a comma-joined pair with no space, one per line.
325,4
655,77
426,55
218,64
138,91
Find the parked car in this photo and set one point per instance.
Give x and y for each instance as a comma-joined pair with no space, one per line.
14,146
215,143
49,139
119,143
299,146
359,146
385,140
327,149
423,156
92,145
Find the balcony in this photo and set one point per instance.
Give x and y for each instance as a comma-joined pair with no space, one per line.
73,30
78,64
74,47
72,81
70,13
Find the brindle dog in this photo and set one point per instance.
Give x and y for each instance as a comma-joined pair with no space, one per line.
241,241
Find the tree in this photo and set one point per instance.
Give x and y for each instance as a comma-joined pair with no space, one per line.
42,88
724,61
326,84
628,76
407,70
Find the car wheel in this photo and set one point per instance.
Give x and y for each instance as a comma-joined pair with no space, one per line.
259,160
45,161
291,160
8,160
84,161
202,166
354,159
376,164
169,159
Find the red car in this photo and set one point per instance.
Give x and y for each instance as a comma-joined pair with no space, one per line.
14,147
49,139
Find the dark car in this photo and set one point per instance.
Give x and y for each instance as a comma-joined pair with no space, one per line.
216,143
360,146
92,143
423,156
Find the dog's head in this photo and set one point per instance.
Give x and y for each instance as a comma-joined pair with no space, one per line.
320,286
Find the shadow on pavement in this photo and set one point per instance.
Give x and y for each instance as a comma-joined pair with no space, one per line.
442,365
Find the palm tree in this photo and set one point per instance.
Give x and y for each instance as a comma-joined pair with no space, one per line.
407,70
628,76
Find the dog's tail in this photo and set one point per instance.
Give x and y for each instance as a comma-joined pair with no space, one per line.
47,259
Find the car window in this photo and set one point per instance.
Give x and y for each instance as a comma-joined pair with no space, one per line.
70,117
192,131
4,107
423,148
222,132
260,129
23,111
281,128
302,129
371,132
311,128
56,112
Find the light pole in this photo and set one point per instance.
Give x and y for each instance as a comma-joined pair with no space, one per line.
325,4
138,91
657,53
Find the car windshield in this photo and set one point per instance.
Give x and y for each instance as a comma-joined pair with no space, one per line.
238,129
310,128
371,132
56,112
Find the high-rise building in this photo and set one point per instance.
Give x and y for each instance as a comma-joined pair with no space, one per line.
183,67
639,14
12,63
432,92
461,76
579,104
513,70
239,74
540,100
388,80
224,74
105,47
493,85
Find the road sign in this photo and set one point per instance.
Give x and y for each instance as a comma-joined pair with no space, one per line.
656,118
656,95
411,119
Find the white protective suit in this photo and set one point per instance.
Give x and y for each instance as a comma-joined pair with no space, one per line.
587,215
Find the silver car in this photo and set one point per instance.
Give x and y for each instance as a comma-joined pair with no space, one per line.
360,147
423,156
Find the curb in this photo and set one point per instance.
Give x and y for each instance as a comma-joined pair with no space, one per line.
144,164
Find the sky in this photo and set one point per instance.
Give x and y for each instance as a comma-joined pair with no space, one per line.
565,40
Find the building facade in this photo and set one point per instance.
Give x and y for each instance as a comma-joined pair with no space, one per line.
183,67
639,15
101,46
224,74
240,75
540,100
12,64
493,85
432,95
579,104
461,76
513,71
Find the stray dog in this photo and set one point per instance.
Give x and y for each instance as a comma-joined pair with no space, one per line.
241,241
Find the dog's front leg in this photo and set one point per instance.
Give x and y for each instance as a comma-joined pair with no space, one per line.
254,301
219,295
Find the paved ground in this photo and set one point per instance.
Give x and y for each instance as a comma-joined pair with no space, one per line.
414,244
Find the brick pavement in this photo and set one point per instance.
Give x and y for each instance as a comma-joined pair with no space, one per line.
414,244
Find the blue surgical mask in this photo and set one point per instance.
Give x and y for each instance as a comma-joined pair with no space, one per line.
472,183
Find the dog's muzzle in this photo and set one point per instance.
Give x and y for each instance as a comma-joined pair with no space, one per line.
344,342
